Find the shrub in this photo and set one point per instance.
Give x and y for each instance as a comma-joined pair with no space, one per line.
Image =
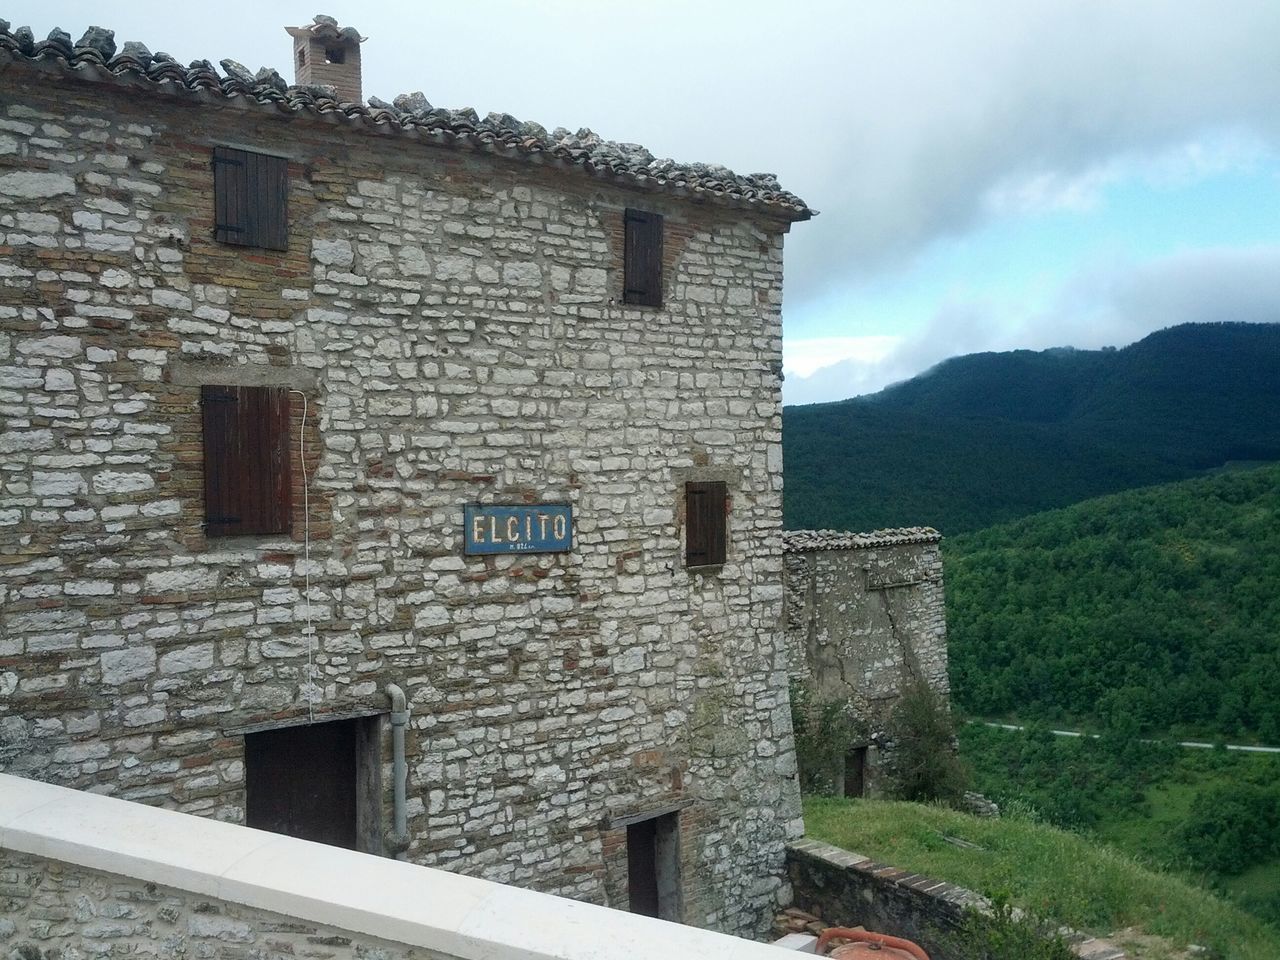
824,731
1006,934
1233,826
923,763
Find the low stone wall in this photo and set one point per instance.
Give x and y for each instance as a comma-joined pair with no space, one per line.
848,889
58,911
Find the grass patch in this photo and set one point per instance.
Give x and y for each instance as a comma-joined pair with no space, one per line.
1048,871
1257,890
1151,832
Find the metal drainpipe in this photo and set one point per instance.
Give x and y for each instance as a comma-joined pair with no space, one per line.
399,841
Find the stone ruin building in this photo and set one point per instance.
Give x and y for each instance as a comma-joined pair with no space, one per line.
864,617
389,476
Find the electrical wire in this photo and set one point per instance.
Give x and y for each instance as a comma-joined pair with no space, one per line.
310,631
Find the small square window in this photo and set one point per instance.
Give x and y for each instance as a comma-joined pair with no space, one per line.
642,258
250,199
705,522
247,483
335,55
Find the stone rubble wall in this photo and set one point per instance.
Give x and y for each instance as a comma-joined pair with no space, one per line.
455,326
56,911
862,622
846,889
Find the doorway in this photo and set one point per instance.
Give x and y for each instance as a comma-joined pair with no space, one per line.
855,772
317,782
653,867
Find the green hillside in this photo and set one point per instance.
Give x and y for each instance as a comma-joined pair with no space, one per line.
988,438
1155,607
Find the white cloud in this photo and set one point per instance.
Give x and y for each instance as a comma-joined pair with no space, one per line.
1049,192
1177,167
804,357
950,113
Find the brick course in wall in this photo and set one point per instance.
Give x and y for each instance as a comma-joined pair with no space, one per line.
454,323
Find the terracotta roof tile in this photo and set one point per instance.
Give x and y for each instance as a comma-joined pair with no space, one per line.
94,58
806,541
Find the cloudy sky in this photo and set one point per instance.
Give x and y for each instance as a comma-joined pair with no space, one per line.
991,175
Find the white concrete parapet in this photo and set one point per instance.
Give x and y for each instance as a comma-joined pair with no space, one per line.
798,943
459,916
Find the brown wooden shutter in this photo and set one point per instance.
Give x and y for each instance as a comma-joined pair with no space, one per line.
230,195
250,198
270,179
221,504
642,258
705,523
247,481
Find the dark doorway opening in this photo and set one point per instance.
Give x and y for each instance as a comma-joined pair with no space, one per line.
317,782
653,867
855,772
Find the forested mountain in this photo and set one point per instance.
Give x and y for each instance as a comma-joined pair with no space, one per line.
1156,605
990,437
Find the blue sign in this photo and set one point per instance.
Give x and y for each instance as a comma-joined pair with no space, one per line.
535,528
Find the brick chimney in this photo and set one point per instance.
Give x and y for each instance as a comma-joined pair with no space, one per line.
326,54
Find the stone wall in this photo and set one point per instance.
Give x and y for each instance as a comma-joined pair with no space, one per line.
57,911
864,615
453,323
846,889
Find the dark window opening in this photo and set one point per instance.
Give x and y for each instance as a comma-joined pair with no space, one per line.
318,782
653,867
250,199
302,57
247,481
706,523
642,258
855,772
335,55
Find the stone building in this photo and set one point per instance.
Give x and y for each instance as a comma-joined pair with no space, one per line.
864,617
307,405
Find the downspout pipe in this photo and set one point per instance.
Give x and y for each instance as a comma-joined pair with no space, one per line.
399,841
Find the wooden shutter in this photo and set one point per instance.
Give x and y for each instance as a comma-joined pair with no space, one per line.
642,258
250,199
230,195
269,213
247,483
705,523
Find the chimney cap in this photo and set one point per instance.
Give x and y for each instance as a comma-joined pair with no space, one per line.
326,29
